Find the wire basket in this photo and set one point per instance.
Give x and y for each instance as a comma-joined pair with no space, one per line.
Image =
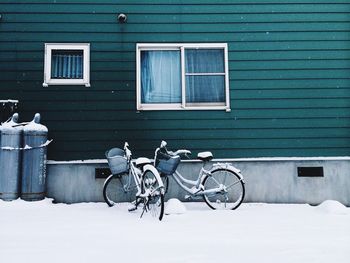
167,164
117,162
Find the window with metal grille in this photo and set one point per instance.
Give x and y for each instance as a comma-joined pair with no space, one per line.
67,64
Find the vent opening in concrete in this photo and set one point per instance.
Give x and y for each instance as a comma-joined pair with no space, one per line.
310,171
102,173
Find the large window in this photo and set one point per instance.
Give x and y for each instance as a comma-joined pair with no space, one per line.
182,76
67,64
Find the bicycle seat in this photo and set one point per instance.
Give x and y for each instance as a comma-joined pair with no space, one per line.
205,156
140,162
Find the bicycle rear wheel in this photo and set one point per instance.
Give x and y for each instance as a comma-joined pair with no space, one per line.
118,189
232,190
153,190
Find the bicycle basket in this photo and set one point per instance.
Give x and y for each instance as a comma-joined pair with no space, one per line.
167,164
117,162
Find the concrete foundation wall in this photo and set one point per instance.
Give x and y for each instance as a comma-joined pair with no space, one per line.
271,181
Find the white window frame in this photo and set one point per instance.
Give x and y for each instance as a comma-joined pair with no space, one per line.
85,47
181,106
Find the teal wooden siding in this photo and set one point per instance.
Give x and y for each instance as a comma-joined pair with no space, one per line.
289,63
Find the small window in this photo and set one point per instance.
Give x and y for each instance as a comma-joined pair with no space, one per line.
182,76
67,64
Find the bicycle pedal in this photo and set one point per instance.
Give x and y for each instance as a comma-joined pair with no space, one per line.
132,208
188,197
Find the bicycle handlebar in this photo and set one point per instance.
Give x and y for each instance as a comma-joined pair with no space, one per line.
182,151
127,151
178,152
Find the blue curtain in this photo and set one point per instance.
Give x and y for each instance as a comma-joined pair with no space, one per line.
205,88
67,65
160,76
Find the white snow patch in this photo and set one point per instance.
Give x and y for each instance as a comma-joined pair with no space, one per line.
8,101
27,147
332,207
41,232
174,206
32,126
9,148
88,161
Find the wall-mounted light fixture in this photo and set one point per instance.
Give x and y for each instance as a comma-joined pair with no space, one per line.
0,16
122,18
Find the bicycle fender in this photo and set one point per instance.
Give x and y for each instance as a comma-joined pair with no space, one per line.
155,172
227,166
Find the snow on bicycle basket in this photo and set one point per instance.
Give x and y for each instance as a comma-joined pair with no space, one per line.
167,164
117,161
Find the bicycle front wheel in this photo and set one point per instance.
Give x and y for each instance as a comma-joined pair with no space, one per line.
227,189
118,189
165,180
153,191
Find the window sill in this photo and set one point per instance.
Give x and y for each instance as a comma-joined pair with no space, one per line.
180,108
46,84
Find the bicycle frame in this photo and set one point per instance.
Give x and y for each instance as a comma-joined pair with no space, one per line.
197,188
136,175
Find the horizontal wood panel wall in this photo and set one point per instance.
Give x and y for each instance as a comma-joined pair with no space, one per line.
289,63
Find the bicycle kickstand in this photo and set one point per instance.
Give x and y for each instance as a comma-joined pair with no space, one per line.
145,205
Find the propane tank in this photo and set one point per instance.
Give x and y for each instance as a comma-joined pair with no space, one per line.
34,160
10,158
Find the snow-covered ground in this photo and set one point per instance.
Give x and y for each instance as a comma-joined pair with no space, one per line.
92,232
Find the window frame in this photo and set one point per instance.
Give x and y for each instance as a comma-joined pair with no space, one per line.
49,47
181,106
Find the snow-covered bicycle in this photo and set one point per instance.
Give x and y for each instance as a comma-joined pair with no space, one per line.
221,186
133,179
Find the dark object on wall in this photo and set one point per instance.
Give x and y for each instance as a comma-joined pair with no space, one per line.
102,173
310,171
122,18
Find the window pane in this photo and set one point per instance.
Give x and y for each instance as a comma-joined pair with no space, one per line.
67,64
204,60
205,89
160,76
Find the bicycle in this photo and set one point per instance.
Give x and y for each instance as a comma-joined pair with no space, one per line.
221,186
130,179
